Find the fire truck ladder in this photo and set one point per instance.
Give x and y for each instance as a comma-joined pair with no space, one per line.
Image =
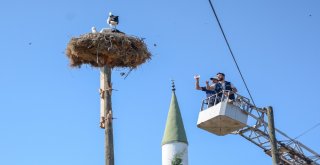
291,151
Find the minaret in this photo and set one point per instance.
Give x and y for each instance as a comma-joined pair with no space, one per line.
174,142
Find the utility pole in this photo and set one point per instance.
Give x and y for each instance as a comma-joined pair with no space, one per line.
106,112
108,49
272,136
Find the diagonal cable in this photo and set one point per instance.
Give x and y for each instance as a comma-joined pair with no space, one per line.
234,59
305,132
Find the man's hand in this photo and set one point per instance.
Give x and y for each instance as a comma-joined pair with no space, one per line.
197,77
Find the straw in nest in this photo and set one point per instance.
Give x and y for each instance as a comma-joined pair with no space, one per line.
111,47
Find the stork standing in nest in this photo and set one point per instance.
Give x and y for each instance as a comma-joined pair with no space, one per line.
113,20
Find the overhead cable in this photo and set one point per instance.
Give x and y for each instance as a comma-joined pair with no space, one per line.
234,59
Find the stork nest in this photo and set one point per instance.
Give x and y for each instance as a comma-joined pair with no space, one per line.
111,47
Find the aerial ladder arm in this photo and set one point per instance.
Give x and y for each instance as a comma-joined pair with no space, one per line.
231,117
291,151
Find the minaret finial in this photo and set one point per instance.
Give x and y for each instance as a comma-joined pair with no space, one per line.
173,86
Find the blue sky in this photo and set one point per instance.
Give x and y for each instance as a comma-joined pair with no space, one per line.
49,112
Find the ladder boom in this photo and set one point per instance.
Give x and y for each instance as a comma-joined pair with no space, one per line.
291,151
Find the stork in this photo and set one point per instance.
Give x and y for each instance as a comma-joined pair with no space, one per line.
113,20
93,30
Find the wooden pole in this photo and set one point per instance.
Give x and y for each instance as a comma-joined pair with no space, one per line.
106,113
103,100
272,137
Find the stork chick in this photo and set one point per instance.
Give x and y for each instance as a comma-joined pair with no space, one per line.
93,30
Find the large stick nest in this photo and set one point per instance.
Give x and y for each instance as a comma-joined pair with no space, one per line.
111,47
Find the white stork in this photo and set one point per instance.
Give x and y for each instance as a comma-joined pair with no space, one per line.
113,20
93,30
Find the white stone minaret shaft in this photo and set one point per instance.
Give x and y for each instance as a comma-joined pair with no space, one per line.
174,142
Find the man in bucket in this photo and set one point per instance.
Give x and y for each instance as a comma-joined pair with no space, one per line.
211,94
227,86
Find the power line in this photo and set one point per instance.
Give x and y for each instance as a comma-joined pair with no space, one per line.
234,59
305,132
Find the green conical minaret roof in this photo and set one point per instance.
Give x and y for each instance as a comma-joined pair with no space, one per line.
174,131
